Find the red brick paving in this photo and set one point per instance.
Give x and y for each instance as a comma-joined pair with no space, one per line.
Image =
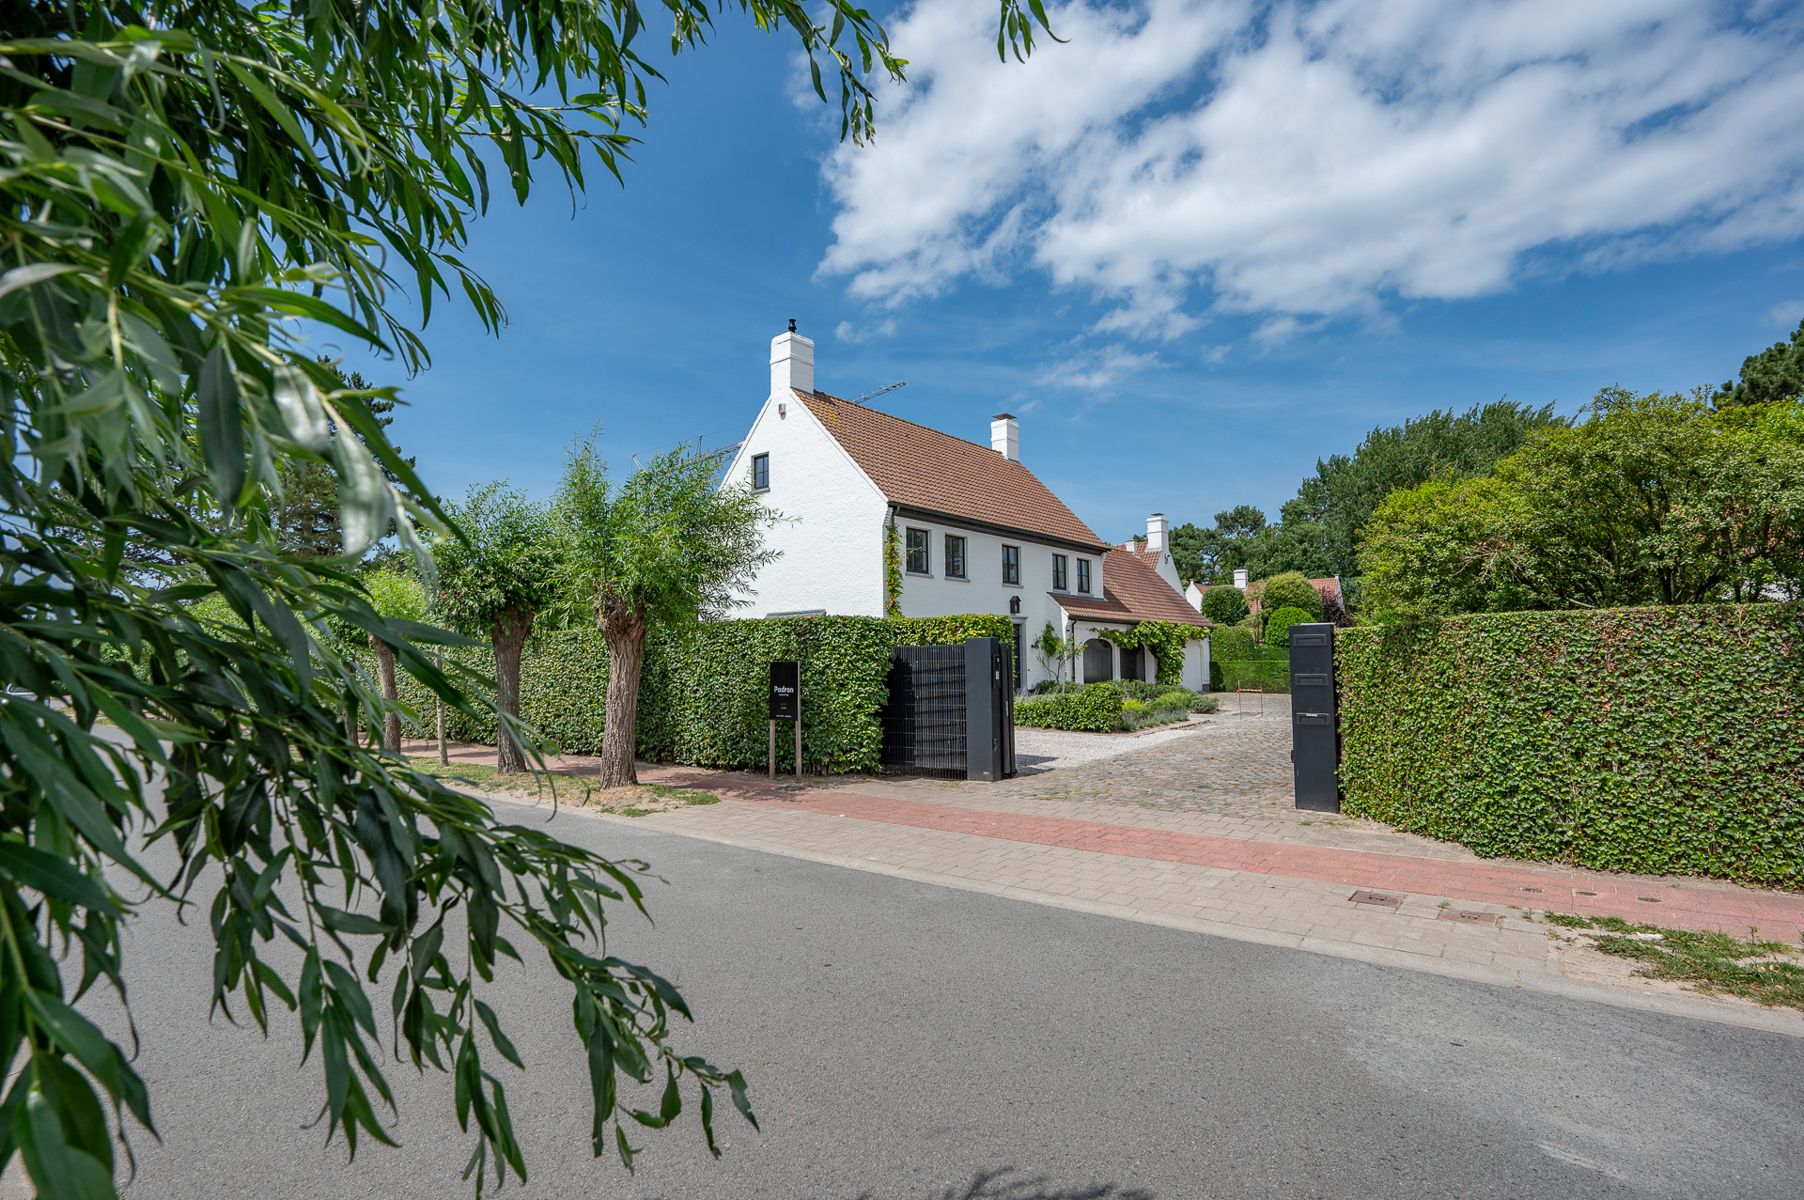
1676,903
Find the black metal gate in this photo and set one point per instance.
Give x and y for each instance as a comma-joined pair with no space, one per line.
951,711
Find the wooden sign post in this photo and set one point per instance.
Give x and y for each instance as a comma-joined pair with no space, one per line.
785,705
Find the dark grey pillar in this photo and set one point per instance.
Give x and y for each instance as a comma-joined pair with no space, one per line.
1314,726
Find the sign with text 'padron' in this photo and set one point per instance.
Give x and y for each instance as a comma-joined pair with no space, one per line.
785,690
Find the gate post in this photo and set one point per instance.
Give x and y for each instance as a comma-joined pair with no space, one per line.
1314,722
985,677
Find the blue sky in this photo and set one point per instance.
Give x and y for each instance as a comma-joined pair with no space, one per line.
1196,248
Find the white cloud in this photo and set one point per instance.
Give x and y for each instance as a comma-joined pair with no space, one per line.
1099,370
1787,315
852,334
1178,156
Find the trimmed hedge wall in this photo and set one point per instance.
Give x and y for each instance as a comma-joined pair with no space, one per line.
703,693
1094,707
1665,740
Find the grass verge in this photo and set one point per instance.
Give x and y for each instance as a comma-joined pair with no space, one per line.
569,787
1769,973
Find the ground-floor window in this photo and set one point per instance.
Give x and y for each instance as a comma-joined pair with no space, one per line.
1099,661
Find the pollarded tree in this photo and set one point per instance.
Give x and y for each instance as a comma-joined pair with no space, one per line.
400,600
666,548
492,582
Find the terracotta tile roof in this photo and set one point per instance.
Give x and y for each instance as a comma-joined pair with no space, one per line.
1132,591
923,468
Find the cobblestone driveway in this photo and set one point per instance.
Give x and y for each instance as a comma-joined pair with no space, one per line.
1237,763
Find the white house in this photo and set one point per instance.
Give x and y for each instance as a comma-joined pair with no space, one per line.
975,530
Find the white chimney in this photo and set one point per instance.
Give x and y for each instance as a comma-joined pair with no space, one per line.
1155,533
1240,578
791,362
1005,436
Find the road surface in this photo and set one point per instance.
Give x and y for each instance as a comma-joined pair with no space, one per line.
912,1042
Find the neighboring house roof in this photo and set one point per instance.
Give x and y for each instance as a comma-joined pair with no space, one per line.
1328,587
1132,591
924,469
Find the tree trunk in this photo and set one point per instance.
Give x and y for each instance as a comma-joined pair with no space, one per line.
624,630
385,667
507,636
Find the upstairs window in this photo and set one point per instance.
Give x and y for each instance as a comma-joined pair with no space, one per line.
760,472
1083,575
955,556
1058,572
1011,565
920,555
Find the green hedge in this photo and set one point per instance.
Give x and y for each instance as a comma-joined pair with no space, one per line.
703,694
1093,708
1667,740
1265,674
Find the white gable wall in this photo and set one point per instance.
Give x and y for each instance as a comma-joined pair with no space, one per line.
831,544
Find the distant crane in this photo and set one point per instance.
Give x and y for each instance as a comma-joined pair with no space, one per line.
885,390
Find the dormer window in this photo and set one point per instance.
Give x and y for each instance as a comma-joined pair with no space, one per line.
761,472
1083,575
1058,573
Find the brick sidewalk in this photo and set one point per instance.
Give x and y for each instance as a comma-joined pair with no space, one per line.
1679,903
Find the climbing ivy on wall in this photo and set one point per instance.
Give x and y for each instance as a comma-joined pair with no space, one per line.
892,570
1165,639
1659,740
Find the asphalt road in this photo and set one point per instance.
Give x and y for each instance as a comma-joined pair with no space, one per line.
912,1042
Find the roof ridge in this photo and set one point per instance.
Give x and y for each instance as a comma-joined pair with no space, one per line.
820,395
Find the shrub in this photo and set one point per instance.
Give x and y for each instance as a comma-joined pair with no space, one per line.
1277,626
1094,707
1224,604
1145,714
1291,590
1663,740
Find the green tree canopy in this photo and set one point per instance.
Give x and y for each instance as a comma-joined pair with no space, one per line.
1290,589
190,189
493,580
1776,373
1320,531
1225,604
664,548
1210,555
1651,499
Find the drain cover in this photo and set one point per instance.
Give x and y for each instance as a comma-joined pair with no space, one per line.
1529,889
1582,892
1649,899
1468,916
1382,899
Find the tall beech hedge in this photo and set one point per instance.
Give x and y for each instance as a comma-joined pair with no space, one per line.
1667,740
703,696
